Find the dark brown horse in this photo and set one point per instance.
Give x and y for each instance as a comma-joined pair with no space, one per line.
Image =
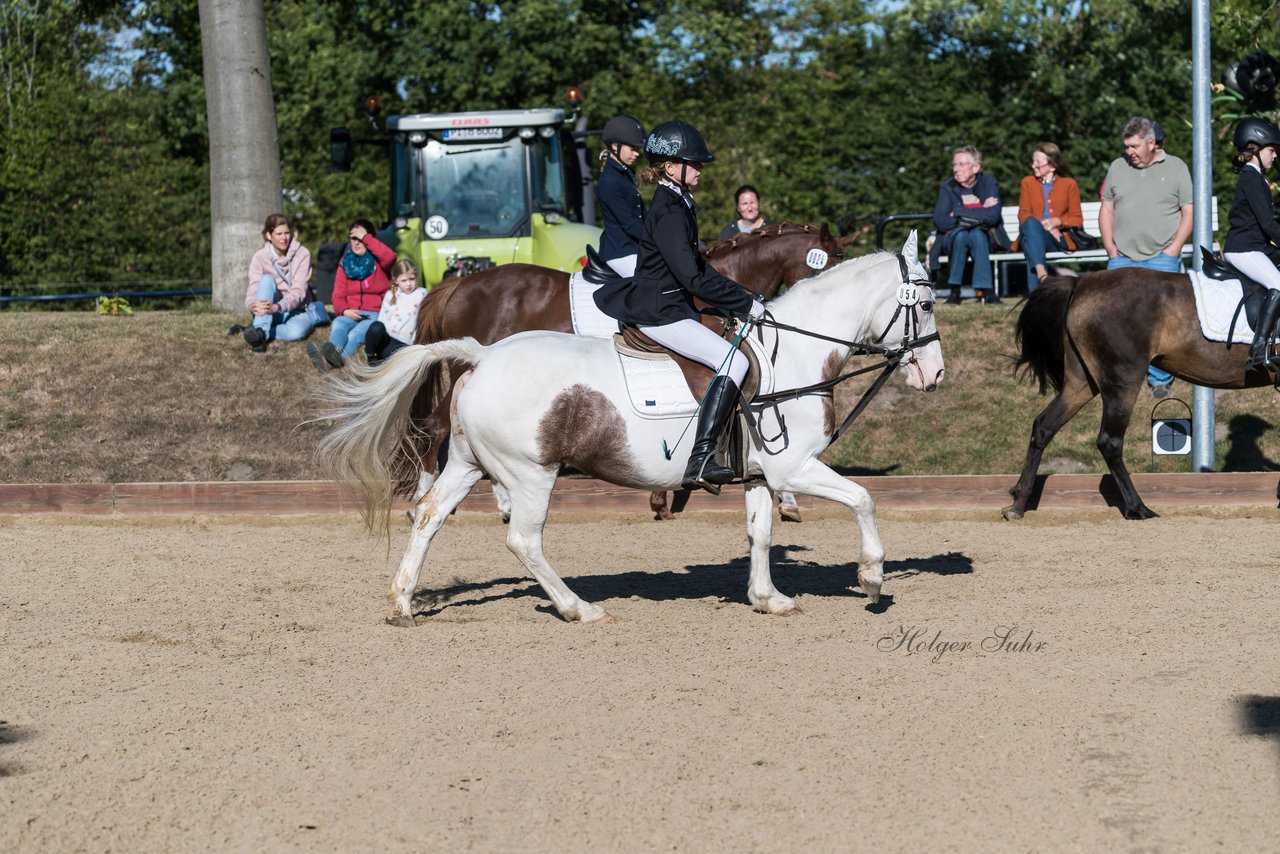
502,301
1096,335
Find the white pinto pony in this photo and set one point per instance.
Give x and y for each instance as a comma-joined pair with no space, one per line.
541,400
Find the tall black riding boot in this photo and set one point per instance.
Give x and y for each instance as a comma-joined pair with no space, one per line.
1260,349
717,407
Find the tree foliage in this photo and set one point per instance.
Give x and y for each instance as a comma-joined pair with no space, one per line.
838,110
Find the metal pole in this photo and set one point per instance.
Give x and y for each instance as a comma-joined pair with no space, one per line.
1202,399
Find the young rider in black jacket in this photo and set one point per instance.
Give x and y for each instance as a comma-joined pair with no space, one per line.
670,272
1253,238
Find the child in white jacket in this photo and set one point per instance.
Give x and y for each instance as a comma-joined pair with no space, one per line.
398,318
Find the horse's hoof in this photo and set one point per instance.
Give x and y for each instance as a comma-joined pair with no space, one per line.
603,618
401,621
780,606
663,515
789,512
871,588
1011,514
1140,513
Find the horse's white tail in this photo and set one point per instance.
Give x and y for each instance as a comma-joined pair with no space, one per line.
369,412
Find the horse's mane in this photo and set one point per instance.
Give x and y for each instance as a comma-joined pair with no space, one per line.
833,277
431,312
776,229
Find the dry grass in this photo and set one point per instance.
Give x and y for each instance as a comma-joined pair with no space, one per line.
156,396
167,396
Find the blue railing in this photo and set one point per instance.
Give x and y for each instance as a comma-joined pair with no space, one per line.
127,290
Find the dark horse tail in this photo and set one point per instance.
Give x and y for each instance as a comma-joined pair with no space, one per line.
1039,334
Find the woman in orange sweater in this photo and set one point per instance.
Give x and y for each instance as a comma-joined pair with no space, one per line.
1048,204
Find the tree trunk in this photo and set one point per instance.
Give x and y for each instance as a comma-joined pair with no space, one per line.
244,147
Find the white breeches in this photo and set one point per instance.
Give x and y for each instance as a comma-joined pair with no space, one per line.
624,266
691,339
1257,266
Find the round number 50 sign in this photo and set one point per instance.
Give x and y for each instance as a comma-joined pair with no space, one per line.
437,227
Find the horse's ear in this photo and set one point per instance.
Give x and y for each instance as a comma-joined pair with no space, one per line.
909,248
824,233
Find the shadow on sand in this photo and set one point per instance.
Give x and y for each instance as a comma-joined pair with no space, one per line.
10,734
726,582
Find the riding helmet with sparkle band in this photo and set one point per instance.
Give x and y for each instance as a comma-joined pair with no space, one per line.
676,140
625,130
1258,131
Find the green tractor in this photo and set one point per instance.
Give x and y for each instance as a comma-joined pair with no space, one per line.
473,190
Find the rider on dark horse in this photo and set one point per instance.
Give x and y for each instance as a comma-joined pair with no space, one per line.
670,272
1253,237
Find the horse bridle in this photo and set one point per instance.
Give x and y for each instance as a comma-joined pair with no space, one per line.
908,298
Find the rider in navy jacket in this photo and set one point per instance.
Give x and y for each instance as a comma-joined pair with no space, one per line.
670,272
621,207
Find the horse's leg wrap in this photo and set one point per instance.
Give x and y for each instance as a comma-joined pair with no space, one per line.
1260,350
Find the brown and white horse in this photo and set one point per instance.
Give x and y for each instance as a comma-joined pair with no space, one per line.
521,426
494,304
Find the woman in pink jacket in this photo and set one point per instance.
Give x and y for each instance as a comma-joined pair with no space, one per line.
361,280
279,274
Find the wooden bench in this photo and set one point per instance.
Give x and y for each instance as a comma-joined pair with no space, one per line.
1000,261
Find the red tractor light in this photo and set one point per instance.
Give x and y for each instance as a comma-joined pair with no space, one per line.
573,95
372,105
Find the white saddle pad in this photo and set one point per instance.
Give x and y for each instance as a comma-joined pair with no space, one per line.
657,389
588,319
1216,302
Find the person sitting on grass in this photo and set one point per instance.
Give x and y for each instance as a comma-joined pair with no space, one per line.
279,274
358,287
398,318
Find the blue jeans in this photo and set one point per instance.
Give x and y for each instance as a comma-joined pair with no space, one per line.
971,243
1164,264
1034,242
348,335
282,325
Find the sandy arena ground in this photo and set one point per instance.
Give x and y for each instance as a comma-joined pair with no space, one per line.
223,684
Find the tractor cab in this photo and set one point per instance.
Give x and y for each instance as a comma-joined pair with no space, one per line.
473,190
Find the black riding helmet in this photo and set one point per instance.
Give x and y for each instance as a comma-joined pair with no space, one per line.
677,140
625,130
1258,131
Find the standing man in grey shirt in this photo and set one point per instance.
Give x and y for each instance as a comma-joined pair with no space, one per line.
1146,212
